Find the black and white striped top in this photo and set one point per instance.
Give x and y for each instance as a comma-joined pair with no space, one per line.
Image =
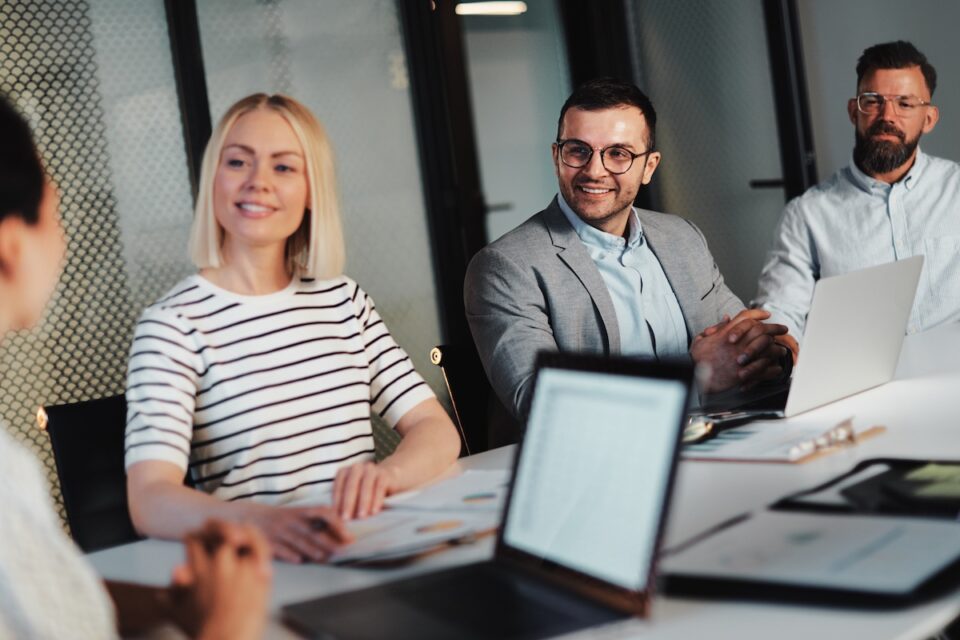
264,397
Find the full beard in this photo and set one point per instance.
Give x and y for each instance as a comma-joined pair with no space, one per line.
875,157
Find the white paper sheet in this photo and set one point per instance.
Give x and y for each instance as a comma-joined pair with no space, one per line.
472,490
861,553
394,534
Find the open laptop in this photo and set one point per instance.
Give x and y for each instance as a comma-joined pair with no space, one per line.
583,520
851,343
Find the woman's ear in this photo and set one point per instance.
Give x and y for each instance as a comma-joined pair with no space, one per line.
11,245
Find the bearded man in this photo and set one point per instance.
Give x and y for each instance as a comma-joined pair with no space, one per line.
892,202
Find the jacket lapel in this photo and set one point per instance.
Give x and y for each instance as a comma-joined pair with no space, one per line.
571,252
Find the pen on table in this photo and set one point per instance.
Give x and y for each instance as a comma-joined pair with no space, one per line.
212,541
339,533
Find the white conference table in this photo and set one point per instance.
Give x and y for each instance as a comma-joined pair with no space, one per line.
918,409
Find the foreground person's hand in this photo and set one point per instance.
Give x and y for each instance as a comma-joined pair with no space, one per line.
222,590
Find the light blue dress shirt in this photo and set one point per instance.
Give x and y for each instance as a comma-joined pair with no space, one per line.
851,222
651,323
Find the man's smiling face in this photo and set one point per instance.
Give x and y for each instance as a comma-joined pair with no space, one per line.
600,198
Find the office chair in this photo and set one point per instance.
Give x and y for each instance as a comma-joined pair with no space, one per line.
451,361
480,416
87,440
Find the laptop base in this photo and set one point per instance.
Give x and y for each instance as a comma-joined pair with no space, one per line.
764,398
475,601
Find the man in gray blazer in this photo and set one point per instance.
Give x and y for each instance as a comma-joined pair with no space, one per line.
591,273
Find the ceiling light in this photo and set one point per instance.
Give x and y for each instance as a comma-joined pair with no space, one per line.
491,8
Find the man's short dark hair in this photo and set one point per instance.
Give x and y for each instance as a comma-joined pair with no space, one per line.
610,93
21,174
895,55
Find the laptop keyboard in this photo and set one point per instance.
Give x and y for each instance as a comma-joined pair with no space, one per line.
478,592
473,602
497,603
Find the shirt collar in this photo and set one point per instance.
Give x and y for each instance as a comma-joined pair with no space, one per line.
868,184
593,237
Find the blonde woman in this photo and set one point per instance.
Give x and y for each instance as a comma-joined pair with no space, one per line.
258,375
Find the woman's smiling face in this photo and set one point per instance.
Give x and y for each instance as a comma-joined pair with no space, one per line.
260,190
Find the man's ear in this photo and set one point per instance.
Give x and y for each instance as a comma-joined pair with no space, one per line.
555,150
930,118
650,165
852,110
11,244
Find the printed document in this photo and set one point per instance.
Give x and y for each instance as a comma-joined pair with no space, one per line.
891,555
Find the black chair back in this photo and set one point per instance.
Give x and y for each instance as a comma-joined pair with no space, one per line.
87,439
479,414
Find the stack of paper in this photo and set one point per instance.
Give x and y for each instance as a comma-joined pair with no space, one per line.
394,534
472,490
451,509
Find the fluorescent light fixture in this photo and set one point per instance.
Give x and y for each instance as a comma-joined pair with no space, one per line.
491,8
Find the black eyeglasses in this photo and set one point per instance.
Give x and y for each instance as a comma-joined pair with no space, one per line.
615,159
872,103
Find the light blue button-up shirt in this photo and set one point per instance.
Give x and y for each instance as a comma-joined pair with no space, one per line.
651,323
851,222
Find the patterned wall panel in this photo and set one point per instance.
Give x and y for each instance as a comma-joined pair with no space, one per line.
94,79
145,142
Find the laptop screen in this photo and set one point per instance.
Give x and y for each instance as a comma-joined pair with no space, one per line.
594,472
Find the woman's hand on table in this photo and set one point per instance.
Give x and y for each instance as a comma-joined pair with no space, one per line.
360,489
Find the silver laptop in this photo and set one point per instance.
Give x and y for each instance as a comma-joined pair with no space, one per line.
852,342
583,522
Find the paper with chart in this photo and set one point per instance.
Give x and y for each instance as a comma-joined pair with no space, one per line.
456,508
472,490
393,533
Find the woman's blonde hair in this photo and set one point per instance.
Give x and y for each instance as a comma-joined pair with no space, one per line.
316,248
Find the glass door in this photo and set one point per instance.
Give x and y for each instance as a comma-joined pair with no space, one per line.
706,67
517,68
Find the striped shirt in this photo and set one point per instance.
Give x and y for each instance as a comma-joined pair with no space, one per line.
264,397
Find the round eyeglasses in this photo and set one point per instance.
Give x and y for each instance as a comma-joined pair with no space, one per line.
577,154
872,103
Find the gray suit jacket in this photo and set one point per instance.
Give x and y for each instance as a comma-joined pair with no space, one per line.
537,288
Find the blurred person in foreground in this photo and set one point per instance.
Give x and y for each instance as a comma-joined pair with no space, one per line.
47,590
